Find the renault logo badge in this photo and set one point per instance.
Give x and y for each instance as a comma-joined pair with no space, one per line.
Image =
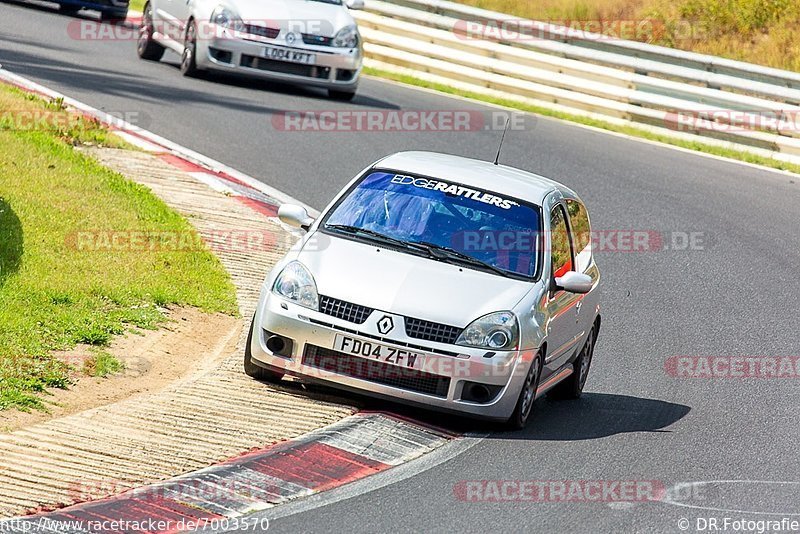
385,325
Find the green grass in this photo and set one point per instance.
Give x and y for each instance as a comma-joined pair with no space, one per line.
53,295
102,364
627,130
20,111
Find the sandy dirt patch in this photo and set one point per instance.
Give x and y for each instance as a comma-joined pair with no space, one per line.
191,342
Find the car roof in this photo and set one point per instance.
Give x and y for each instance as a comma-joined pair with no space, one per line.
475,173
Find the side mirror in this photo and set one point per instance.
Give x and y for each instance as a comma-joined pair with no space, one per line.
574,282
355,4
296,216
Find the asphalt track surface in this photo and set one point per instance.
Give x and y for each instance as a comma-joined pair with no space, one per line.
737,296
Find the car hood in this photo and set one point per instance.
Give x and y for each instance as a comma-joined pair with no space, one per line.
405,284
305,16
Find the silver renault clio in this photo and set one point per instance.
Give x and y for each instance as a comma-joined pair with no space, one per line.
310,42
449,283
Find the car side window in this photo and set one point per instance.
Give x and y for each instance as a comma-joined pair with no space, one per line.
581,234
560,246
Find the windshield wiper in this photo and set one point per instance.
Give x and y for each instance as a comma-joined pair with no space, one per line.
435,251
447,253
375,236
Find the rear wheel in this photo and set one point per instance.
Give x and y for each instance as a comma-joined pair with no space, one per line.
572,387
253,370
522,413
188,58
146,47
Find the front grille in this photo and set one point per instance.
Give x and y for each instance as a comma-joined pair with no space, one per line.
318,40
375,371
419,348
284,67
430,331
269,33
347,311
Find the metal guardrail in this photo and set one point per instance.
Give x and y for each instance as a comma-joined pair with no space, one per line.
631,48
624,82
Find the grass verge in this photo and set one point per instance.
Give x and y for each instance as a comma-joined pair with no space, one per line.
54,295
756,31
26,112
588,121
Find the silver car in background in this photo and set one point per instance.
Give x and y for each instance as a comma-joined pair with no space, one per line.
444,282
310,42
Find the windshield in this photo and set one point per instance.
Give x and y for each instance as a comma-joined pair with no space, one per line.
457,222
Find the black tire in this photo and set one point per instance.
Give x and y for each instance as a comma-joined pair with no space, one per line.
117,15
572,387
527,397
344,96
146,47
188,58
256,371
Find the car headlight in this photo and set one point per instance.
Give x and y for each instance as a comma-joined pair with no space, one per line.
347,37
296,284
499,331
227,18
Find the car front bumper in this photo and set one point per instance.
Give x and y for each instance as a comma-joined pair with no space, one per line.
314,332
333,68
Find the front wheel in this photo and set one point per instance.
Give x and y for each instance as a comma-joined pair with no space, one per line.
572,387
188,58
522,413
146,47
251,369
